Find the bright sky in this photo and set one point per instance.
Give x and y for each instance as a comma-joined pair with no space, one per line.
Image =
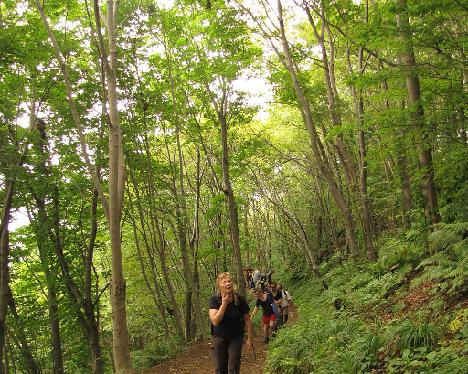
19,219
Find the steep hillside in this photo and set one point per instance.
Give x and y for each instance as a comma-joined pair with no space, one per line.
407,313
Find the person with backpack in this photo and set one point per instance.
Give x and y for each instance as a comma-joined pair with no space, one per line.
287,305
265,301
277,296
229,314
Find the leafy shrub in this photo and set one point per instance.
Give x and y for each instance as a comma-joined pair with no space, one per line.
451,359
459,324
358,338
417,334
155,352
448,235
397,251
449,265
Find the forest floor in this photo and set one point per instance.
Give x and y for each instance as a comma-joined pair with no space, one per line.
198,360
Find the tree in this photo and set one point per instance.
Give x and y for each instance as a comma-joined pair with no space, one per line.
112,207
408,61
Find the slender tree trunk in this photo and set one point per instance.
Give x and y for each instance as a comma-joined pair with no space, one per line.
368,231
194,244
171,291
407,196
23,344
332,97
4,234
157,298
149,271
181,225
248,259
80,299
402,161
181,215
233,214
55,329
44,245
424,142
88,303
4,260
113,209
6,359
42,226
120,344
317,146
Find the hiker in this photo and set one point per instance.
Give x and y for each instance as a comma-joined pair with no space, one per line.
229,313
256,276
265,301
277,296
287,306
268,277
249,282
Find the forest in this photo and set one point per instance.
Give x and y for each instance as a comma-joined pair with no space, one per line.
148,145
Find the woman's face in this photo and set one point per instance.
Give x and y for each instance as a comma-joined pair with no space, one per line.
225,285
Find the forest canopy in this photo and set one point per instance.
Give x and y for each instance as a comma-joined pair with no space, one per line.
147,146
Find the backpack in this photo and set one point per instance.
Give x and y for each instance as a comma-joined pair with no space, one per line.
274,306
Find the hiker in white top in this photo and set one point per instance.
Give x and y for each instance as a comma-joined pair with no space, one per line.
286,305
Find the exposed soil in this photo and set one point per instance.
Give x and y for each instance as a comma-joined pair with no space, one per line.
198,360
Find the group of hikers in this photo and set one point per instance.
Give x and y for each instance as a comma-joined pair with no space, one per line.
231,318
276,303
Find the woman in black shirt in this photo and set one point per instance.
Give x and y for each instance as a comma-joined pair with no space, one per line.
264,301
229,313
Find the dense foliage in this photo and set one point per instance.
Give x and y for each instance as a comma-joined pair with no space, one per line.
148,145
406,313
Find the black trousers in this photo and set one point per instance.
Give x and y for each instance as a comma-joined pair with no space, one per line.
227,354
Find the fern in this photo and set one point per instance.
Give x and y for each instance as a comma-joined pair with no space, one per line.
447,235
450,266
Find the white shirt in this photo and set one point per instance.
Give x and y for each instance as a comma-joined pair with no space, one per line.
286,298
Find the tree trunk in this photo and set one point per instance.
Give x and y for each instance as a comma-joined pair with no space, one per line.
42,228
316,144
407,196
55,329
97,363
233,214
113,209
4,260
42,238
149,243
23,344
402,161
194,244
87,320
423,139
170,291
368,231
120,344
181,215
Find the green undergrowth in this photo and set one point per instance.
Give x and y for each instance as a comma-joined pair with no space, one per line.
406,313
156,352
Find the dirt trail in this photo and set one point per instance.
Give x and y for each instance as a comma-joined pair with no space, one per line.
198,360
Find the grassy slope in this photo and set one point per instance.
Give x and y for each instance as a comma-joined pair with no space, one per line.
405,314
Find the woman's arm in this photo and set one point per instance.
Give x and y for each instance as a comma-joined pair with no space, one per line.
248,326
216,315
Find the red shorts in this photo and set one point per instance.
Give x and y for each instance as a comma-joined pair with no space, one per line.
266,319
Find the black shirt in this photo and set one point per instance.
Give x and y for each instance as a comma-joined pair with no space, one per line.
266,305
232,323
277,296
